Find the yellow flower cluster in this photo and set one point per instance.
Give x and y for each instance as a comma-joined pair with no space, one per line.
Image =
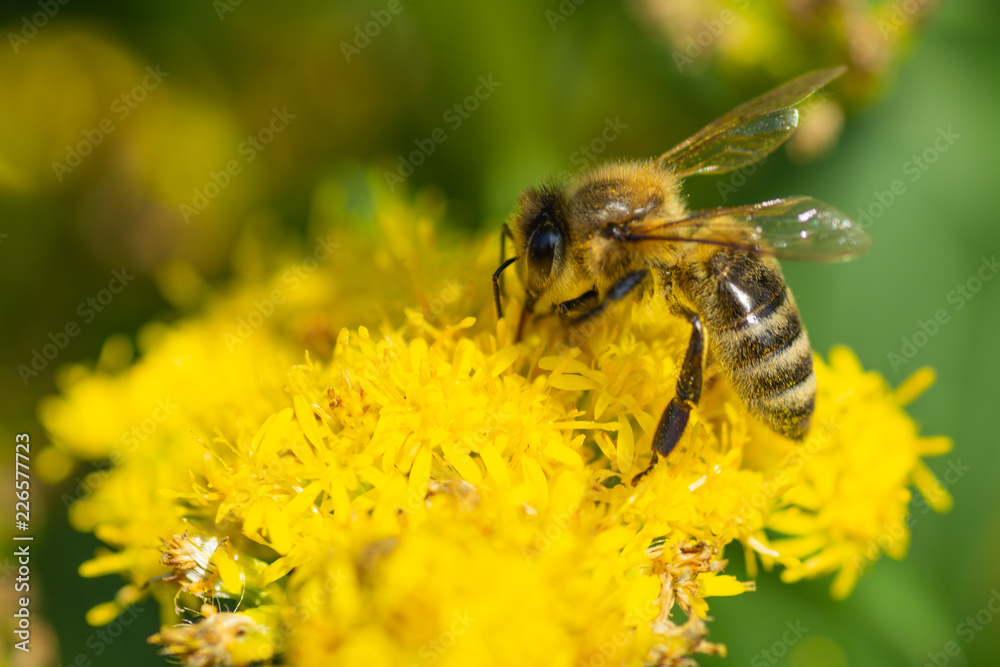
290,485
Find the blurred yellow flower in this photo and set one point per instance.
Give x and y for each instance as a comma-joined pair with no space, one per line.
436,493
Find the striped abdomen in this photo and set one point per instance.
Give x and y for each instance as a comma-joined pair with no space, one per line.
756,333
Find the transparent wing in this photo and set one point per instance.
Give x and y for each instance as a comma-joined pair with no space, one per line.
749,132
797,228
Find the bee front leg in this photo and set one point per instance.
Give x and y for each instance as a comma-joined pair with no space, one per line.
580,327
497,287
504,263
617,292
675,417
585,302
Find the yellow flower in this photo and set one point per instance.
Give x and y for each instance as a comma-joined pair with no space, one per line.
235,640
851,501
436,493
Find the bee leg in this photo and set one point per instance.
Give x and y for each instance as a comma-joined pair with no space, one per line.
497,287
586,301
675,417
617,292
504,263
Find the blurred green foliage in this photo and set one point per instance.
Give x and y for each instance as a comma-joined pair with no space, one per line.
145,106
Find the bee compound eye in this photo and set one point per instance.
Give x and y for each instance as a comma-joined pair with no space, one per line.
542,248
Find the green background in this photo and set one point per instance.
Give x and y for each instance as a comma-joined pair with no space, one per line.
557,88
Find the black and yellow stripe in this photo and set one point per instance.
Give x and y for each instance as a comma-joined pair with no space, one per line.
758,336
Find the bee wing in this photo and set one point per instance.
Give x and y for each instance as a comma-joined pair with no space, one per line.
749,132
797,228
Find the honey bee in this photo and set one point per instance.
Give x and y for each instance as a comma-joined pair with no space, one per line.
621,231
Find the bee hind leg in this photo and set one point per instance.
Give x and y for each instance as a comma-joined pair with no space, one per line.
675,417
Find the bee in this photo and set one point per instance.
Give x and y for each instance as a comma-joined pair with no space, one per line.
621,231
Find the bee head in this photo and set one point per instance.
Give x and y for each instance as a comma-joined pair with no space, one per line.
540,230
